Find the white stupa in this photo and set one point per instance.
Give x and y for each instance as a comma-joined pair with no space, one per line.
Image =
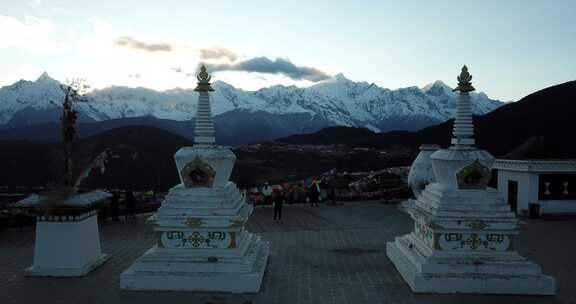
202,244
464,232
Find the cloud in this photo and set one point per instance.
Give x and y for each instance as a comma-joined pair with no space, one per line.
135,75
29,32
265,65
261,78
129,42
62,10
217,53
36,4
177,69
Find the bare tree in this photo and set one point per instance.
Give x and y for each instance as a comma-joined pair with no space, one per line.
76,167
74,91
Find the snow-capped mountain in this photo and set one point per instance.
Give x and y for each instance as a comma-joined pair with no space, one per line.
32,102
338,101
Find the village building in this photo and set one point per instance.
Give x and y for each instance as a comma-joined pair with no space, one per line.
546,186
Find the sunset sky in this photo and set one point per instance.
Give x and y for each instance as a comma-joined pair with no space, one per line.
511,47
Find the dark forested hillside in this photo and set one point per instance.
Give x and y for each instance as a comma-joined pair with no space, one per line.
540,125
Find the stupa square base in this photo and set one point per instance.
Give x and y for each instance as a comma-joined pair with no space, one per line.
67,245
410,266
234,282
43,271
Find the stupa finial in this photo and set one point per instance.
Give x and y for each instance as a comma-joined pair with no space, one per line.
463,130
203,80
464,81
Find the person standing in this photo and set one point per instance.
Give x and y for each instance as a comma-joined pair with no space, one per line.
130,205
332,192
302,195
279,199
314,193
258,199
267,193
114,206
291,196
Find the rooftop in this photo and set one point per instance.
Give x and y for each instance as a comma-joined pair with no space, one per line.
536,165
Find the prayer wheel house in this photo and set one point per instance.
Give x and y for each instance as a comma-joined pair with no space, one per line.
67,240
548,185
464,232
201,241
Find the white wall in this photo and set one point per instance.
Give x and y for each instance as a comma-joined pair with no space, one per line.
66,244
565,206
527,187
528,193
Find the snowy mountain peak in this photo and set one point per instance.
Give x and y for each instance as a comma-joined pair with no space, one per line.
340,77
44,76
46,79
437,83
337,100
437,88
221,84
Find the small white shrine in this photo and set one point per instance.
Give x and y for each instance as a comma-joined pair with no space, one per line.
202,244
550,184
464,232
67,238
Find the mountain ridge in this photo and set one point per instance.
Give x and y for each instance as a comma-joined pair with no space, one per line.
532,128
338,100
232,128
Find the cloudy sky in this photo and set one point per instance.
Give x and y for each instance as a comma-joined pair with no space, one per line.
512,47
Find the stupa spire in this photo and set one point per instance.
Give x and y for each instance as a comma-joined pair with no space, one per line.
204,132
463,130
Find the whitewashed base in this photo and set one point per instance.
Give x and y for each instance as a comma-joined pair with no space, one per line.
67,248
521,279
37,271
235,282
406,205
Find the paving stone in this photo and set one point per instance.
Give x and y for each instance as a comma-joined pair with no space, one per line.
331,254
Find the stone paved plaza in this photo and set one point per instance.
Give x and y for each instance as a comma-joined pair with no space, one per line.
319,255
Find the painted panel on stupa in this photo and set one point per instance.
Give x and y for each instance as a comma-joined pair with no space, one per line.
474,241
197,173
423,231
473,177
197,239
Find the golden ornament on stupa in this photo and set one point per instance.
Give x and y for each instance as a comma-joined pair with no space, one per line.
203,81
